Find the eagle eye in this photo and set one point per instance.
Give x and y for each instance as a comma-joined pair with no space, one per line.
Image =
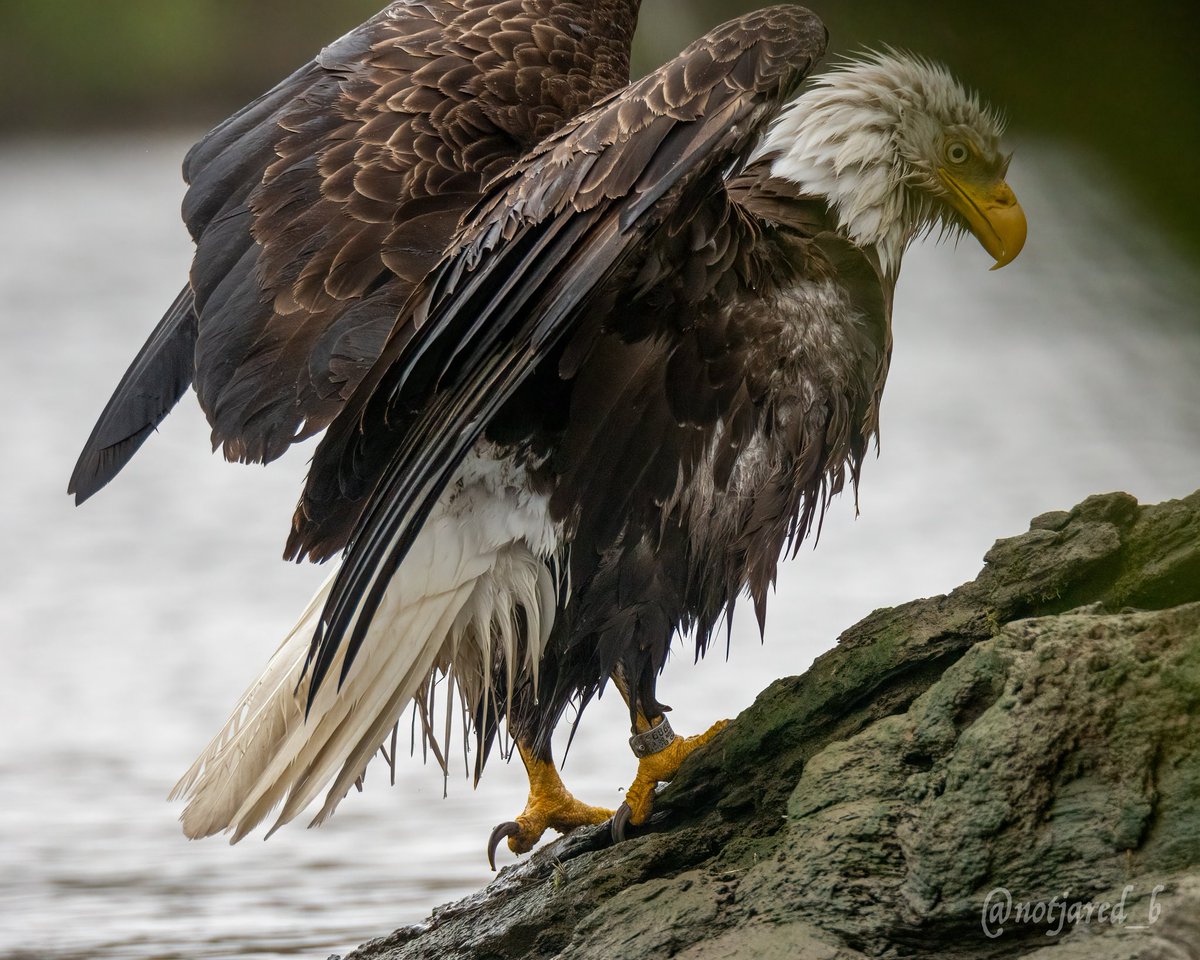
957,152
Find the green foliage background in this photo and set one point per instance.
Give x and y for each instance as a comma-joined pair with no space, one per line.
1120,79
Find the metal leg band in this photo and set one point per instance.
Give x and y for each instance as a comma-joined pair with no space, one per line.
653,741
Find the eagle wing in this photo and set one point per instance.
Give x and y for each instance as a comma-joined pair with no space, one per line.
521,272
317,208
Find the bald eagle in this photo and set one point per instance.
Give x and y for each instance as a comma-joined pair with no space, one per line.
588,357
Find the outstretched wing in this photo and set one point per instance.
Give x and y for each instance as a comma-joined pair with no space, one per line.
317,208
555,228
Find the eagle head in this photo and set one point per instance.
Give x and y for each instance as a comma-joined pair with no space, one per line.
898,147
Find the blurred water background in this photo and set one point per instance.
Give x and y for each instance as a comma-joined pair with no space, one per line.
127,629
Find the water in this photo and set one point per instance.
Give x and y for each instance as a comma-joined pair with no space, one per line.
128,628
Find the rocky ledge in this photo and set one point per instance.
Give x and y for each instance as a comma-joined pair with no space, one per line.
1010,769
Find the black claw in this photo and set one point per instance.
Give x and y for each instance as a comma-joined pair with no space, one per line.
620,821
502,832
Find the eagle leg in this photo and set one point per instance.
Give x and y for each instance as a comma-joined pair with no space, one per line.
550,806
660,754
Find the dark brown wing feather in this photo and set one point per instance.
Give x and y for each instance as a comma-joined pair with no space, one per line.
515,285
376,163
318,207
153,384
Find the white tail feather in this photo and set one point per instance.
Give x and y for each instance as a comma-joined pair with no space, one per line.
473,595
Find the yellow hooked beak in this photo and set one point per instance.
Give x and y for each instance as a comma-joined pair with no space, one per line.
993,214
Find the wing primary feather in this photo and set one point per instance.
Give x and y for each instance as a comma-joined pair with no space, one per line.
153,384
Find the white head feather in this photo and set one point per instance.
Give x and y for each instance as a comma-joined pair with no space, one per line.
867,136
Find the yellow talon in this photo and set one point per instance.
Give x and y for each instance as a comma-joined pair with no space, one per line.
660,767
550,807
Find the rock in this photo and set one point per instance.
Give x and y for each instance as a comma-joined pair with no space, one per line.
1012,768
